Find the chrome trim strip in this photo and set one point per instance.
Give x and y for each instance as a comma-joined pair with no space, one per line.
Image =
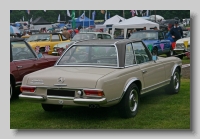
87,66
90,101
74,44
175,66
113,99
60,84
30,97
155,86
25,59
60,97
130,82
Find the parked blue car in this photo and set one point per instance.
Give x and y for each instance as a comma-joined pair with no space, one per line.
155,40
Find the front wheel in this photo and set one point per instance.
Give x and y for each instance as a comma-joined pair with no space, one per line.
51,107
128,107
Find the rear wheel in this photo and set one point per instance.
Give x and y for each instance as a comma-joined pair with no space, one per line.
175,82
128,107
51,107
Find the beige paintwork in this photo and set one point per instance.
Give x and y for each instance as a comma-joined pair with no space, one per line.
113,81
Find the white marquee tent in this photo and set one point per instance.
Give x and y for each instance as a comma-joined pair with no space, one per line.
134,22
113,20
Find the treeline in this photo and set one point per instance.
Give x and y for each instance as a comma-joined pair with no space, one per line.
52,15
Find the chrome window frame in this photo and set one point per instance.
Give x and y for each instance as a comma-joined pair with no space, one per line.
117,66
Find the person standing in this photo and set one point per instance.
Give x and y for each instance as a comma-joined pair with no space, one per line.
66,34
176,32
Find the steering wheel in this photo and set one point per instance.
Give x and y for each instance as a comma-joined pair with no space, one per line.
20,55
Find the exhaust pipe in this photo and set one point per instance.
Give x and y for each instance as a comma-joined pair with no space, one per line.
93,106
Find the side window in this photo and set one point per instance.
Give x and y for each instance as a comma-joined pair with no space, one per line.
99,36
105,36
20,51
142,55
63,38
55,38
129,57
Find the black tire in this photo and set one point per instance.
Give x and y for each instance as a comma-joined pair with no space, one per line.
51,107
175,83
11,91
180,56
128,107
155,51
170,53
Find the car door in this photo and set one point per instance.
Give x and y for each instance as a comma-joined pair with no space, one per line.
23,58
55,39
106,36
153,72
164,44
99,36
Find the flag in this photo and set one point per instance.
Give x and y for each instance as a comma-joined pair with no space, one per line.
93,15
134,13
82,17
28,11
73,19
59,18
106,16
68,13
23,18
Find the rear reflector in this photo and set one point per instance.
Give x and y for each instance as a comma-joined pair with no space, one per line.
94,92
30,89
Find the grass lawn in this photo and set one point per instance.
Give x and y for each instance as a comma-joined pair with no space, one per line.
158,110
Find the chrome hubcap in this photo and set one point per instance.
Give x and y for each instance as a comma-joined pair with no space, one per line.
133,100
176,80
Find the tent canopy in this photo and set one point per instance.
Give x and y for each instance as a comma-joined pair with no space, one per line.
113,20
86,22
158,17
39,21
134,22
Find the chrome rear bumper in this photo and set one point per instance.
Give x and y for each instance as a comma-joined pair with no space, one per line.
75,100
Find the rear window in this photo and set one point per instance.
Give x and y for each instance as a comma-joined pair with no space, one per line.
90,55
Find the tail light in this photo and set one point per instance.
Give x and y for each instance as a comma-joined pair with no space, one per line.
94,92
30,89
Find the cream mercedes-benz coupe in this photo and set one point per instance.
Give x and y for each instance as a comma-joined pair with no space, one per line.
102,73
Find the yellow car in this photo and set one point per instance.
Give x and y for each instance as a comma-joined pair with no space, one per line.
25,37
45,41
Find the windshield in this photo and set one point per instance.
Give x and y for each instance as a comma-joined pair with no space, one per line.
39,37
82,36
90,55
144,35
188,35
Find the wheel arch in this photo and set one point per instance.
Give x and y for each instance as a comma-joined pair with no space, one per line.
176,66
129,82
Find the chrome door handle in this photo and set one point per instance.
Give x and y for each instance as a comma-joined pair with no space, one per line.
144,71
19,66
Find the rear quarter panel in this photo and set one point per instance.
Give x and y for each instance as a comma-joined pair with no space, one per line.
114,83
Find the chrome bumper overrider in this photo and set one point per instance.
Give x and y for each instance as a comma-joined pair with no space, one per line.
75,100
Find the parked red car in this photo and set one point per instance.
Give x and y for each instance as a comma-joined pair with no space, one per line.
23,60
